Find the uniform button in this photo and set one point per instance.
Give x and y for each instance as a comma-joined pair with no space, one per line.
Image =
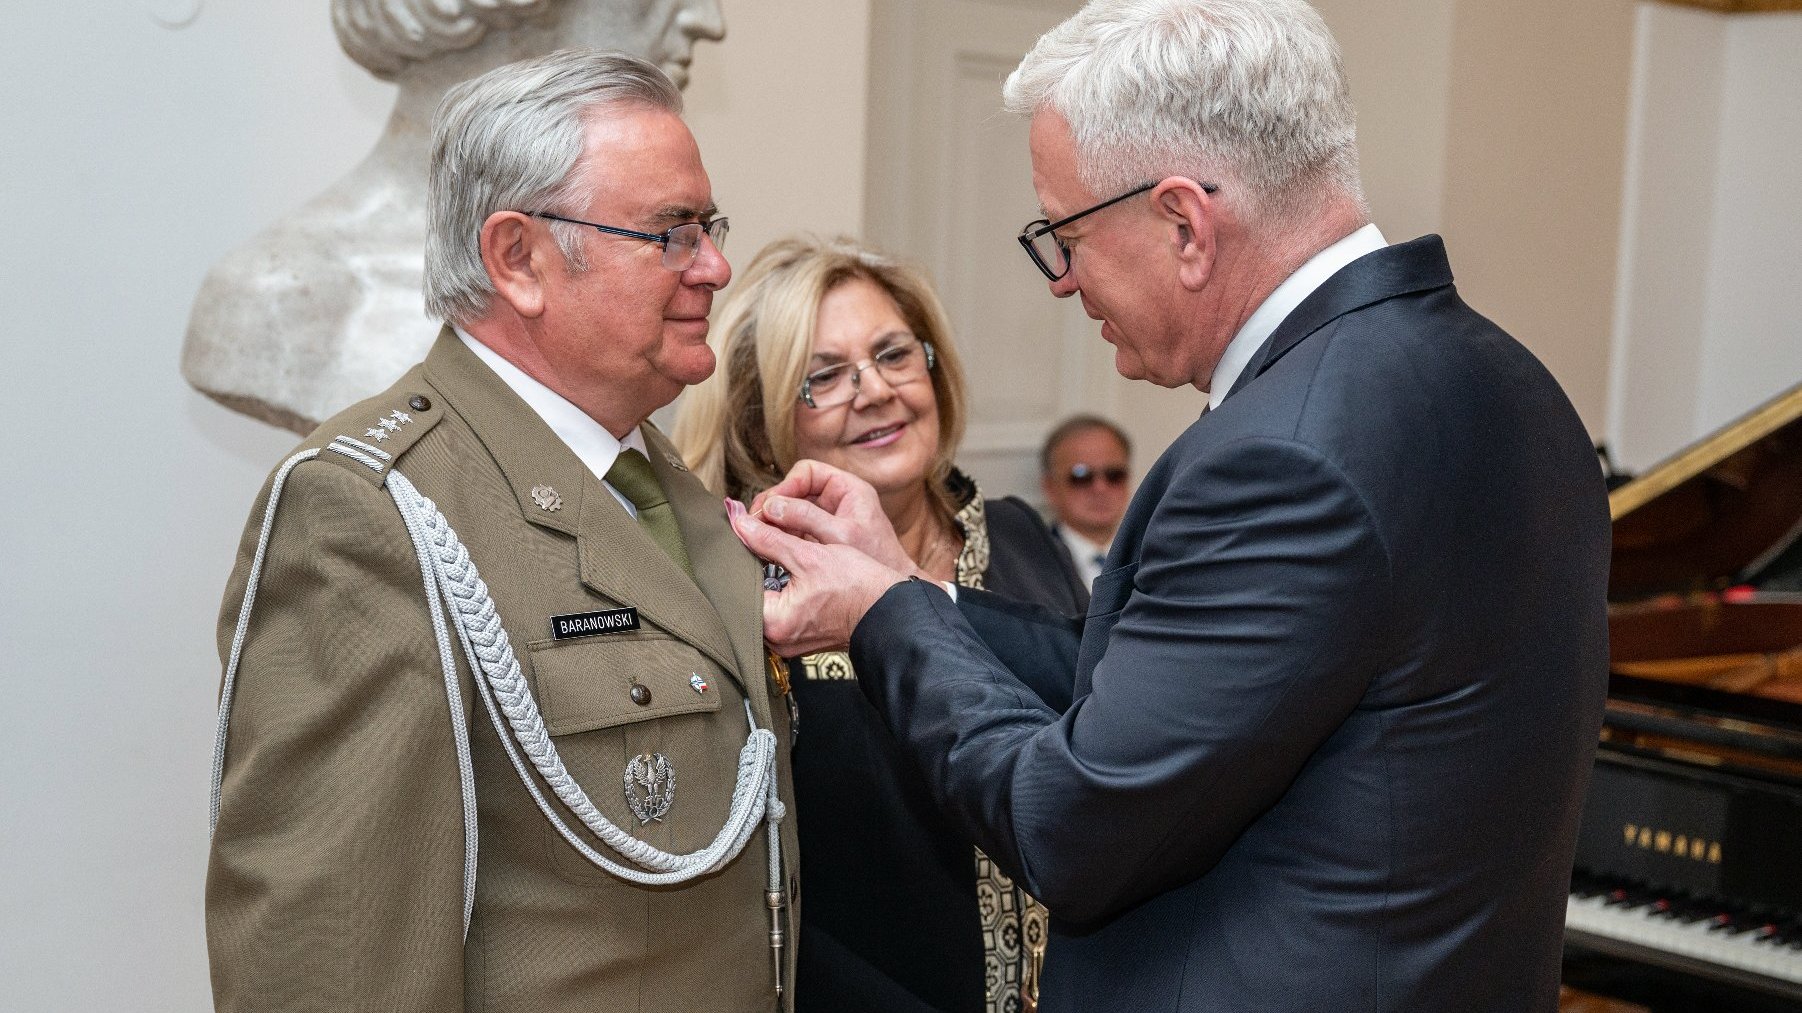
640,695
420,403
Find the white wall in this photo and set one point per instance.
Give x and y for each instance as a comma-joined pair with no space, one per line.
779,110
136,156
1710,291
1752,347
1673,146
1398,58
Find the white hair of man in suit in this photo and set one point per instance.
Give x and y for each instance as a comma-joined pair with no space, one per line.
388,36
518,139
1251,91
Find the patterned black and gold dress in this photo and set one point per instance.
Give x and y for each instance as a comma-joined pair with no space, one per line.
898,912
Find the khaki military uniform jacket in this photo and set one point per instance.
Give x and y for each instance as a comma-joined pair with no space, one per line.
336,873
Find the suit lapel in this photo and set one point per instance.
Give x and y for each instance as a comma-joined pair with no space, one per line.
616,556
1414,266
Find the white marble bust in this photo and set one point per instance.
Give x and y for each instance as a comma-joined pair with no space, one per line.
324,307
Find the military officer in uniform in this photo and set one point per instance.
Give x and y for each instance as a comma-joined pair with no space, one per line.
384,839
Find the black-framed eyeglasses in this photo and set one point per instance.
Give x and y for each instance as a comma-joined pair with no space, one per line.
1049,252
901,363
681,243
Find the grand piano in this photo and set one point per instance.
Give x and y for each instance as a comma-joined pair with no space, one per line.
1687,892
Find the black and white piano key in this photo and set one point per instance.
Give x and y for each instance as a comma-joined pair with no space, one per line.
1737,941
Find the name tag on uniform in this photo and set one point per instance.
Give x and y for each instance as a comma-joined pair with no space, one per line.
593,624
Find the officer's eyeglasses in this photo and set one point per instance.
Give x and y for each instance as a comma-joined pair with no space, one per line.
901,363
681,243
1081,476
1048,250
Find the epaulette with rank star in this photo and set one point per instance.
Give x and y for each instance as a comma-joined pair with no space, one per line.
391,430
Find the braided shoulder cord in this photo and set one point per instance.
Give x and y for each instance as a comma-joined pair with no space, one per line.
507,696
447,661
451,578
231,664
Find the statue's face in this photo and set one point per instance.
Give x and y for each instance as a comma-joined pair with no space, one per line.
662,31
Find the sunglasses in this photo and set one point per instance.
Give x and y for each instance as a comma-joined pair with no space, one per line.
1081,476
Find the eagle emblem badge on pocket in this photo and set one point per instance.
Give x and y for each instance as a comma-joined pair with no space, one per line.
650,787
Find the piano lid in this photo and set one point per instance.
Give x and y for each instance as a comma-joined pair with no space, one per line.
1715,514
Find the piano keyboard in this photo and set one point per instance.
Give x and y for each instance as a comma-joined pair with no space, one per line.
1694,936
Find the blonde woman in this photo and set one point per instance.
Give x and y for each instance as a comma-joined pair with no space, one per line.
830,351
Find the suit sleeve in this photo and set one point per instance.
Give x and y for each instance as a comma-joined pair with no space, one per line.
1248,636
1037,645
336,871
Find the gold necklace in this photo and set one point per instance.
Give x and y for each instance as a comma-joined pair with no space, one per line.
940,546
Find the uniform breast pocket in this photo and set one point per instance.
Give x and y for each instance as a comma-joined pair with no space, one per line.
603,683
641,723
1112,589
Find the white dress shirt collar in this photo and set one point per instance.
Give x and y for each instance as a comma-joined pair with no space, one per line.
1087,555
587,439
1281,302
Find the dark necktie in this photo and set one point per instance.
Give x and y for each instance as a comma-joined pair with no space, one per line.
631,474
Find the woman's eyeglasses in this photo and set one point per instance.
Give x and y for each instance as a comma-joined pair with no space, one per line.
901,363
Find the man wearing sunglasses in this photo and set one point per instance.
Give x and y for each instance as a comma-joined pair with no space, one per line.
497,733
1083,472
1339,685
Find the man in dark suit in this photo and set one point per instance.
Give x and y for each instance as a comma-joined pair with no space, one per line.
1340,682
1083,470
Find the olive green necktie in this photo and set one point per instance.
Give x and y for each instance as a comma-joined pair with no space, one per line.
631,474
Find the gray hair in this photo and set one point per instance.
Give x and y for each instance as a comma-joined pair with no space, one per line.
1250,90
511,140
386,35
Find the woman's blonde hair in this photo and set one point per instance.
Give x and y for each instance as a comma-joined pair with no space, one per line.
737,429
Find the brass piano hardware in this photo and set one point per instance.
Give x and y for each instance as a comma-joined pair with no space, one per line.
1699,457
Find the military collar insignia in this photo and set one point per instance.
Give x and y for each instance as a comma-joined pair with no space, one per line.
547,498
674,461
